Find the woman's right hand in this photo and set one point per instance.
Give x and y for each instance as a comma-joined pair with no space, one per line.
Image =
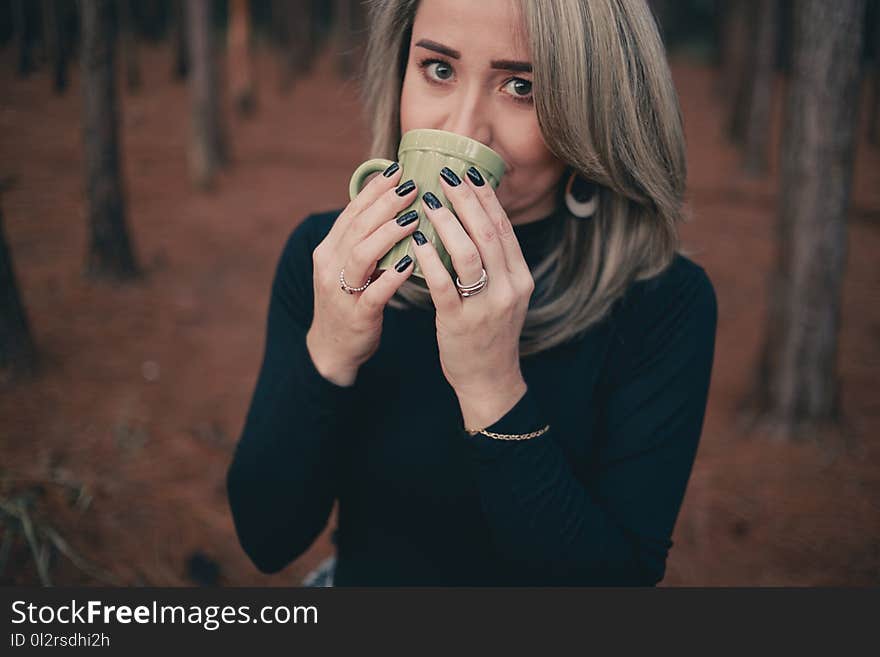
346,328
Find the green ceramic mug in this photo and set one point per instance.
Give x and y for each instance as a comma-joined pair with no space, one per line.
421,155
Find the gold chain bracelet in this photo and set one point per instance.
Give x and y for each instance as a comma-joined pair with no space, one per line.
508,436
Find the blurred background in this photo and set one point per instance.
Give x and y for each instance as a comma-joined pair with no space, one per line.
156,154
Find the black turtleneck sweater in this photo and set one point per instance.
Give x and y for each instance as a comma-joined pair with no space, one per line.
593,501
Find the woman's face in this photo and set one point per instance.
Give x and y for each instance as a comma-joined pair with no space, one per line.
468,73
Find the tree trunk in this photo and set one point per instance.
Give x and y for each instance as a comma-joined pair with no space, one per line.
110,253
179,37
297,40
128,37
150,18
344,30
741,77
797,389
303,37
18,356
283,15
21,36
238,58
307,38
874,115
207,152
761,97
55,36
733,36
717,35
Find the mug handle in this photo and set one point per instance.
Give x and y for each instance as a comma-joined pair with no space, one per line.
360,174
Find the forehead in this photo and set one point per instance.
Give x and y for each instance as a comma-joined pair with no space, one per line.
477,28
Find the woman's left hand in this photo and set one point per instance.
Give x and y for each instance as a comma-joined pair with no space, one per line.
478,336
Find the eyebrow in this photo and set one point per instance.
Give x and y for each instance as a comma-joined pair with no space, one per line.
502,64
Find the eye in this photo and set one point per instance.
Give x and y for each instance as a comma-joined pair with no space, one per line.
441,69
520,89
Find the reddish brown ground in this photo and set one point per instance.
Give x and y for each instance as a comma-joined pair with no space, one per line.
150,456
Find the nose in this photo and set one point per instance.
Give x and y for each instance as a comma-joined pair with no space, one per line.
468,116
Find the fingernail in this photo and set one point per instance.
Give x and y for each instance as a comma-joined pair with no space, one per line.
419,237
431,201
450,177
407,218
405,188
403,263
394,166
475,176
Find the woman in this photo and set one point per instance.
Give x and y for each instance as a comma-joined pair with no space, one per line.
535,429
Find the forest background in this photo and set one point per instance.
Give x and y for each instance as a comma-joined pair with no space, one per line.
155,155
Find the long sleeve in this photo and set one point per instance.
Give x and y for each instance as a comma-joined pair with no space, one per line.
281,483
612,526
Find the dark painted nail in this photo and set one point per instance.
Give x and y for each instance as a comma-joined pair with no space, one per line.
475,177
405,188
407,218
403,263
450,177
394,166
419,237
431,201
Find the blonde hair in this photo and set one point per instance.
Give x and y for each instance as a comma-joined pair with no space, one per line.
607,107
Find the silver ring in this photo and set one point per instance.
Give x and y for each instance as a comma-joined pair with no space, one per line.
348,288
473,288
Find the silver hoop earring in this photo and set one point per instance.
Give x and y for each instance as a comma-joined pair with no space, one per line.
581,196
